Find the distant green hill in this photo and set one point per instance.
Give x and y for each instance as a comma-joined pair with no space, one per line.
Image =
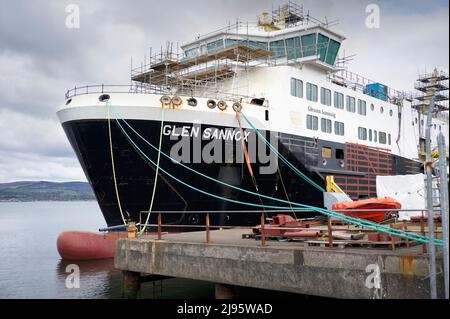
45,191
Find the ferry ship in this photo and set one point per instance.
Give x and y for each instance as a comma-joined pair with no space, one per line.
285,75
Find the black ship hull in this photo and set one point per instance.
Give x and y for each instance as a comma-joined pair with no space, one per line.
352,166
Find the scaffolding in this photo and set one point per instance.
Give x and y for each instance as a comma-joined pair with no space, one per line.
172,72
432,84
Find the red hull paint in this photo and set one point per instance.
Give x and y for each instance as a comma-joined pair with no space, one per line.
385,204
76,245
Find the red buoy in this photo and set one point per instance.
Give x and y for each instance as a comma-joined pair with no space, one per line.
77,245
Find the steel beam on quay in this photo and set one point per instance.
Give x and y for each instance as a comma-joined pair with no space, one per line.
291,267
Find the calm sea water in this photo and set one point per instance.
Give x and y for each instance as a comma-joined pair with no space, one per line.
30,266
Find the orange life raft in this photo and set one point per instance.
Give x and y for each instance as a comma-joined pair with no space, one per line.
374,209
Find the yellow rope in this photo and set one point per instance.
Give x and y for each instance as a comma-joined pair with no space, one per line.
156,173
113,165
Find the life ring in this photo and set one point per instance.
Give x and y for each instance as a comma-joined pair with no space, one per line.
222,105
177,102
165,100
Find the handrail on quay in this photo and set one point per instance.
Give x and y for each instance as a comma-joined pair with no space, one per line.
208,227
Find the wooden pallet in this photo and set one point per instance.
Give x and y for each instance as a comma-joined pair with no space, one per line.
271,238
324,244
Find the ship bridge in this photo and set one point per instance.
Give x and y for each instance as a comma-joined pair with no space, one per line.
285,37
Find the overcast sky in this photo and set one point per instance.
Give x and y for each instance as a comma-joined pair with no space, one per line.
40,58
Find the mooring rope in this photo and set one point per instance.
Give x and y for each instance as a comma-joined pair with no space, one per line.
156,172
116,188
351,220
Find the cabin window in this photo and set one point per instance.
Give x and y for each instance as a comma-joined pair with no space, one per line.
362,133
312,122
339,128
362,107
389,139
339,100
296,87
326,126
383,138
325,96
311,92
351,104
375,136
370,135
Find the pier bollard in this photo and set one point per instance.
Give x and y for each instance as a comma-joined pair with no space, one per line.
263,233
224,292
159,226
330,233
131,286
208,233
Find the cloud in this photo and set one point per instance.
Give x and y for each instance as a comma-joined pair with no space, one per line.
40,58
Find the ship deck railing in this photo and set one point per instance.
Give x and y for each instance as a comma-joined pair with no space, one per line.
142,88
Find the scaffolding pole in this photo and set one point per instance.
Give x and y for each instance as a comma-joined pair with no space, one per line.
431,230
444,206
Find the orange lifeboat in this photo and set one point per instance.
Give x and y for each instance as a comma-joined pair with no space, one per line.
374,209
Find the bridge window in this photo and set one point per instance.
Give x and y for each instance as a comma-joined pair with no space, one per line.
312,123
311,92
293,48
322,46
339,100
278,49
214,46
309,44
325,96
351,104
333,49
296,87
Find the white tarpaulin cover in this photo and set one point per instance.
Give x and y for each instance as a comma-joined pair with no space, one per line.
409,190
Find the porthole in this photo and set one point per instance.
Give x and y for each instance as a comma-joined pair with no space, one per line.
417,120
68,101
104,98
222,105
324,162
372,107
192,102
211,104
382,110
391,113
